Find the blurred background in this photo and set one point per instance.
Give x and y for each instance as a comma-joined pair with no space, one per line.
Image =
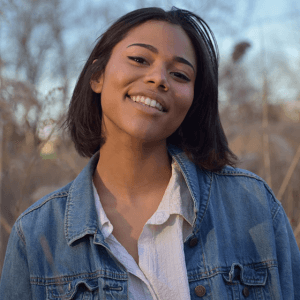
44,45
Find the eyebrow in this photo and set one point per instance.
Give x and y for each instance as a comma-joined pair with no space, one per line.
154,50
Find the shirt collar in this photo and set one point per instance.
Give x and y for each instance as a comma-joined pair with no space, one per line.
176,200
80,222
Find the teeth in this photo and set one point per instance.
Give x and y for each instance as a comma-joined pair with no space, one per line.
153,103
159,106
147,101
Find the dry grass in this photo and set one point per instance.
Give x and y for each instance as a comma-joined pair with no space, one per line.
245,134
35,175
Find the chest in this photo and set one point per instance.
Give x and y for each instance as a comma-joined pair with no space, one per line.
128,226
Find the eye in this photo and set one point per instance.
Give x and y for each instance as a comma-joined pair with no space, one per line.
181,76
137,59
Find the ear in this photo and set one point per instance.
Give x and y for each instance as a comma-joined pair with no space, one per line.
97,84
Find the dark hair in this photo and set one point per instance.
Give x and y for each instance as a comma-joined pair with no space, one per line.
200,135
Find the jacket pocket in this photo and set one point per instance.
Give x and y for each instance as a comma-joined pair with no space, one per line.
246,282
78,289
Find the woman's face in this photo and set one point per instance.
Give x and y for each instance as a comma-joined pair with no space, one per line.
156,60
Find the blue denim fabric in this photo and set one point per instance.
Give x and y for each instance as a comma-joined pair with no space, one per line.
242,243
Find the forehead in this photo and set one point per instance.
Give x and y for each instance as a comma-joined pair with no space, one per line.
167,38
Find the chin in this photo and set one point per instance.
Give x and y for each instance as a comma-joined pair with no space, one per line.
147,137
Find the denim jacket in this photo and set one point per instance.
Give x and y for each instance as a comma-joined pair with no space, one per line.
242,245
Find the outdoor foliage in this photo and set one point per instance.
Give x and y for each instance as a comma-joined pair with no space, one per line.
36,158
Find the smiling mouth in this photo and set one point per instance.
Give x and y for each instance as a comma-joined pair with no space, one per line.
146,101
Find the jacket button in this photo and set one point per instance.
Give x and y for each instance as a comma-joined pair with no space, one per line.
246,292
193,242
200,290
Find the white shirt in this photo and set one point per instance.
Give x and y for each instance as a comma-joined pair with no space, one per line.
161,273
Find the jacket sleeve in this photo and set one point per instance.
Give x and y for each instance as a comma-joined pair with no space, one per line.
15,279
288,256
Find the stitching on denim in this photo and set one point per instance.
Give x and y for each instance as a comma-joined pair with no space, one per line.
81,234
203,257
207,202
87,276
67,212
185,171
59,195
267,264
20,232
52,290
276,211
240,174
113,288
253,176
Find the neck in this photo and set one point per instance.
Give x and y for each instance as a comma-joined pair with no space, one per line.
132,172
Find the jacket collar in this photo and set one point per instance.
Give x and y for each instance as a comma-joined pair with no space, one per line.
81,215
198,182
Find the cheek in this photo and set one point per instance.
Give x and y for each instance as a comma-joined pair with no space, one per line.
186,96
120,72
119,75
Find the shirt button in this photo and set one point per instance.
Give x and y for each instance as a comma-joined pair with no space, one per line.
246,292
200,290
193,242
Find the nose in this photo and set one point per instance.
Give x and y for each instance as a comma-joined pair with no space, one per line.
157,76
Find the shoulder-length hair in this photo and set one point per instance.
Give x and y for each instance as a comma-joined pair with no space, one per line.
200,135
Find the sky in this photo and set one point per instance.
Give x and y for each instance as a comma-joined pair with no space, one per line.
270,22
274,32
270,18
271,26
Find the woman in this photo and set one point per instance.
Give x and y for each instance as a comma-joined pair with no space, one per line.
159,212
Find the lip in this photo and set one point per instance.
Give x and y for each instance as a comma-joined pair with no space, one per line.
151,95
